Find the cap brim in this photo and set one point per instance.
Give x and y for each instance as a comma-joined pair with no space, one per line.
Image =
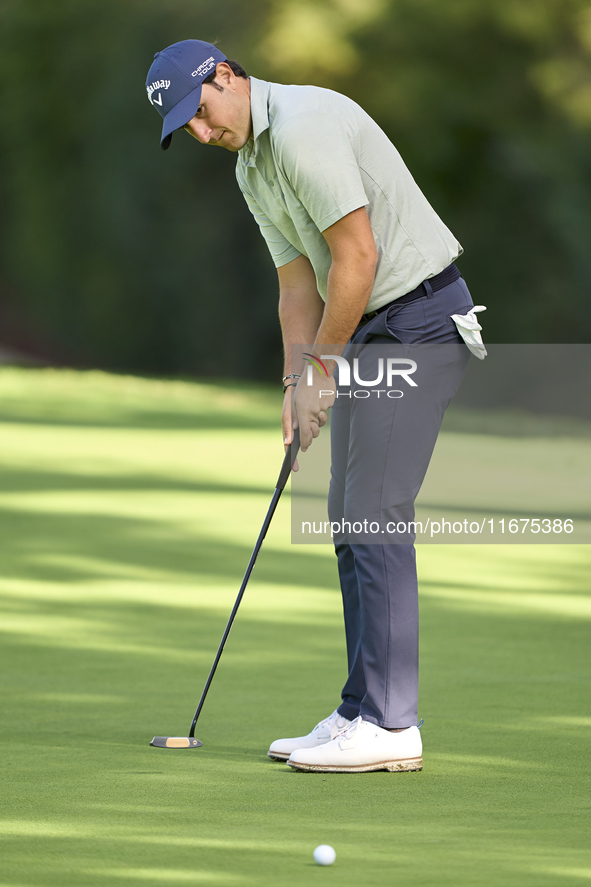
178,116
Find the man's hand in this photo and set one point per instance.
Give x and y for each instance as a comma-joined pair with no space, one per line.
309,406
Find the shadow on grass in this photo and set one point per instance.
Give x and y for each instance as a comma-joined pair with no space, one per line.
152,420
31,480
53,548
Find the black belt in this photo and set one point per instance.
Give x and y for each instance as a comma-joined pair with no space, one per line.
444,278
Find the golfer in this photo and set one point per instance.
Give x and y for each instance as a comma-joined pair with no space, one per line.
362,260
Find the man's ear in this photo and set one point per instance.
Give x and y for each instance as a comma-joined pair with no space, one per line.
224,74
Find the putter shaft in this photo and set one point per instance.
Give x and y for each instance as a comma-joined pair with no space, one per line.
286,468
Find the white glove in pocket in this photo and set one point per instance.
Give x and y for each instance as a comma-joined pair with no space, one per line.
469,329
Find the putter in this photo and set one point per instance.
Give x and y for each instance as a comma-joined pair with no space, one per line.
190,741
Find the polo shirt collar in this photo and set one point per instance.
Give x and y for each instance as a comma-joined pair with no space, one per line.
259,112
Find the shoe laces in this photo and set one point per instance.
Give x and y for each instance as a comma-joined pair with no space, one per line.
339,726
325,723
335,723
352,729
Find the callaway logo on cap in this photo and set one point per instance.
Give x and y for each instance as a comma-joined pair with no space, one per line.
174,82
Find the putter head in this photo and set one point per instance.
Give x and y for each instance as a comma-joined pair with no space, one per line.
175,742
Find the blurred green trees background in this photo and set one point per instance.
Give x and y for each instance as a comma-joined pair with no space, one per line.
117,255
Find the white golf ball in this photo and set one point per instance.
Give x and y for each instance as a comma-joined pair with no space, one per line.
324,855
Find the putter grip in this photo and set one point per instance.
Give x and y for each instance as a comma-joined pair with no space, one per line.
290,458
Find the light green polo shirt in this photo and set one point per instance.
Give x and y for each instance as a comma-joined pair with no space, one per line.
316,156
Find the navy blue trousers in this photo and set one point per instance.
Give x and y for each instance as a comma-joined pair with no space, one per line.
380,452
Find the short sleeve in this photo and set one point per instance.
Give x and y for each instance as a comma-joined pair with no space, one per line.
282,251
316,152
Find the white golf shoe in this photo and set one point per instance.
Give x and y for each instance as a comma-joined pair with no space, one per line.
324,731
362,747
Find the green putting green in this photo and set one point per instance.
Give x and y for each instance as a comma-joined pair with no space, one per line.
129,509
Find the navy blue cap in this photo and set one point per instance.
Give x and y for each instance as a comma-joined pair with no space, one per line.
174,82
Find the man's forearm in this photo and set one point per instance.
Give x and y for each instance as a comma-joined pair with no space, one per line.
299,326
350,279
307,320
349,288
300,314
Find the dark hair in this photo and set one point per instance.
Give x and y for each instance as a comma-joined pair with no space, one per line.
236,68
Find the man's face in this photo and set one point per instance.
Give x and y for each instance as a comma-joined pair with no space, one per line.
223,117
